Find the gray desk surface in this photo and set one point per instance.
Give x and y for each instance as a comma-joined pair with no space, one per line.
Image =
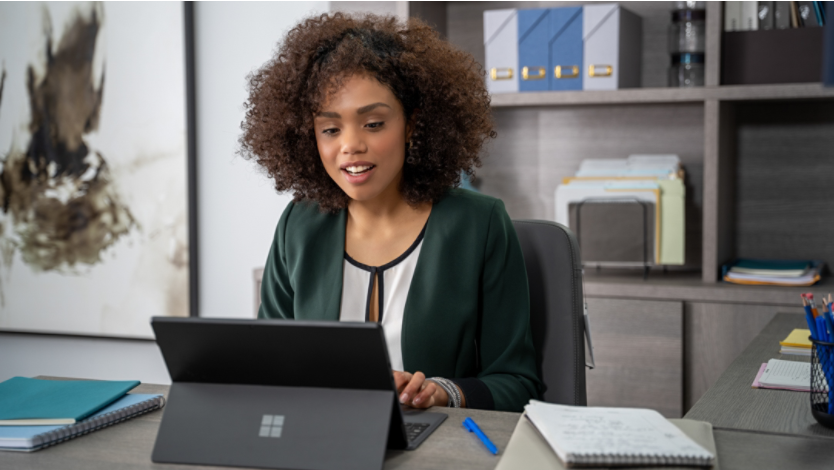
128,445
732,404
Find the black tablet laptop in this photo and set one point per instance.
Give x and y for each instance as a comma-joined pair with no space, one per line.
281,394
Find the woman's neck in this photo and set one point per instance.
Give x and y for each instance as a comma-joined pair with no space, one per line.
385,213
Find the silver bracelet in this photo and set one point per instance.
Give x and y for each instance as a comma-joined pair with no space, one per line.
451,390
442,383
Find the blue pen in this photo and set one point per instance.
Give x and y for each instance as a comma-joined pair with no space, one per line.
809,317
471,426
829,324
822,335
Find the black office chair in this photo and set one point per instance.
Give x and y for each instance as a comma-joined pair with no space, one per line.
554,272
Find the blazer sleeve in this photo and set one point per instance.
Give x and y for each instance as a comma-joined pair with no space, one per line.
276,290
508,358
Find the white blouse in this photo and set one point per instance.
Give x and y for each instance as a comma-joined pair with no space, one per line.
394,282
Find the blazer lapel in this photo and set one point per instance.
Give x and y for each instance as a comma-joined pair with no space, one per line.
319,271
416,323
333,272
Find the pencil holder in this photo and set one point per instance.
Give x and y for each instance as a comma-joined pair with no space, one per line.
822,374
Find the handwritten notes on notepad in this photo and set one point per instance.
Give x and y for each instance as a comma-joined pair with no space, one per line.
614,436
788,375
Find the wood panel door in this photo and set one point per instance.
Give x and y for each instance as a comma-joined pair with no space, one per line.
716,334
638,348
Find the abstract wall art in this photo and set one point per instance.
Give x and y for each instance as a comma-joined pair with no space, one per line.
94,213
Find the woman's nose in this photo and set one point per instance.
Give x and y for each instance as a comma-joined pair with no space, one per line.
352,142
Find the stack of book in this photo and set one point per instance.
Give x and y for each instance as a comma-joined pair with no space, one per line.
39,413
773,272
797,343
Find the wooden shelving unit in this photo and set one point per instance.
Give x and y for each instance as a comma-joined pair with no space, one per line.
544,135
803,91
755,157
689,287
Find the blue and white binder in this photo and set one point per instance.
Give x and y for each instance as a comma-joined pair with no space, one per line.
501,47
566,48
533,56
612,55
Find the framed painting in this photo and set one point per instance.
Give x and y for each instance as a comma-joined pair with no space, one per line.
97,212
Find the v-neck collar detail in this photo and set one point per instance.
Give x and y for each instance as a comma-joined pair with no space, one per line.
396,261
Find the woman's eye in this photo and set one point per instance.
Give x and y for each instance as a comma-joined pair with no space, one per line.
331,131
375,125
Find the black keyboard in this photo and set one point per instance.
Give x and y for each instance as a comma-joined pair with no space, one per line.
412,430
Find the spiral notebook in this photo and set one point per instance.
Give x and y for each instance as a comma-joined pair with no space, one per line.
32,438
612,437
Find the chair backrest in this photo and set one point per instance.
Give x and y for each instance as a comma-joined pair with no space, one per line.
554,272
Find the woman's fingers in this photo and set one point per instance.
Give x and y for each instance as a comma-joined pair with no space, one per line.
401,379
414,386
425,398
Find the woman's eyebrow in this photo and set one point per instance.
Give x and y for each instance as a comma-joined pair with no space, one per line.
328,114
365,109
362,110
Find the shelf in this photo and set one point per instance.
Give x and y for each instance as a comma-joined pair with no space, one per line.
625,96
797,91
663,95
689,287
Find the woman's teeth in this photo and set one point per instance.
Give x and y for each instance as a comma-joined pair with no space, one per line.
358,170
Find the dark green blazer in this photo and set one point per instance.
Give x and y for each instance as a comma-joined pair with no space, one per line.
467,315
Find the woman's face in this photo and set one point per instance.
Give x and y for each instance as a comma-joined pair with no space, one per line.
361,134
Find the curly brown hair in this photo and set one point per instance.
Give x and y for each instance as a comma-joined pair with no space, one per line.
423,71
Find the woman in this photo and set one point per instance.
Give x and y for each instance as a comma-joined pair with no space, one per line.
370,122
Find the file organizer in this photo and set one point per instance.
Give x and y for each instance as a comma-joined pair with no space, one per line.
501,47
612,37
626,212
533,56
566,48
592,221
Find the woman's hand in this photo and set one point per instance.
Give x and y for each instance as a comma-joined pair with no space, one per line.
417,392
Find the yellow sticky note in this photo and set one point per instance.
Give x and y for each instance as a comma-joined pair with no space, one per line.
797,339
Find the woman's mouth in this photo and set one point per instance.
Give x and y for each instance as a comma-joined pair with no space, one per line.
357,170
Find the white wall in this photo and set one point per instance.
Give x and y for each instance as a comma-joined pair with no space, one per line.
81,357
238,208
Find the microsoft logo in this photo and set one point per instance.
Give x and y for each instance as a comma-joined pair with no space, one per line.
271,425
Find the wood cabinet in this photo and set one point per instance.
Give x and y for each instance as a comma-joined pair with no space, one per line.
715,335
638,349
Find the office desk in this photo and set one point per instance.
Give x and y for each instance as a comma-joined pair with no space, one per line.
732,404
754,429
129,445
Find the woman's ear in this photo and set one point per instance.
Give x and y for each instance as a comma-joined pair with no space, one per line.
411,124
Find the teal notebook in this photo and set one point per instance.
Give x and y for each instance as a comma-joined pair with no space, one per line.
25,401
32,438
772,265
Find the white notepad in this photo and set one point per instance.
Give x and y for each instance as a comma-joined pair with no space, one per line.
787,374
597,436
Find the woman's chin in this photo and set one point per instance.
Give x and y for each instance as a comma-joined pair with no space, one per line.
363,194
